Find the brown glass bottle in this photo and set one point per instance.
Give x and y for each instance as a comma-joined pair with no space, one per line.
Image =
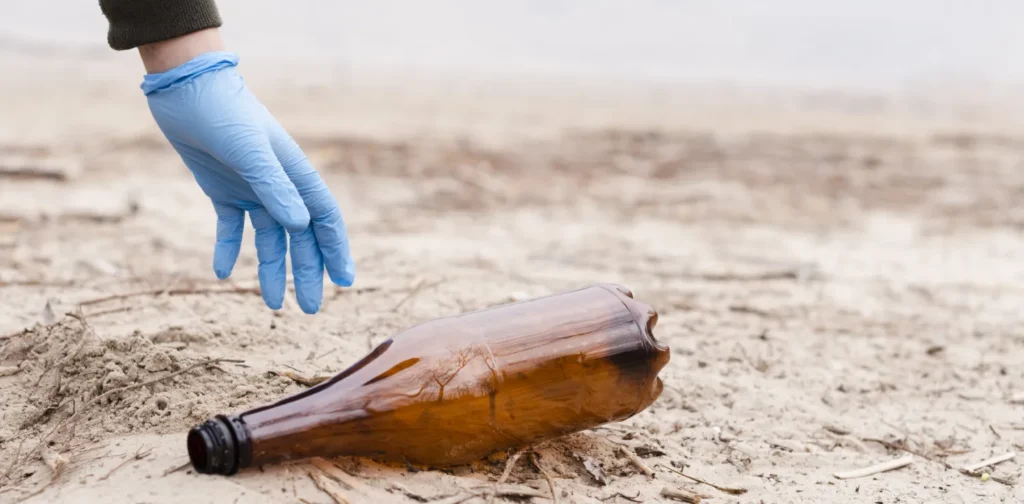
457,389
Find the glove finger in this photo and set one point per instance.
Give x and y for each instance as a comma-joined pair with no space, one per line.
307,270
271,247
328,224
230,224
248,152
333,240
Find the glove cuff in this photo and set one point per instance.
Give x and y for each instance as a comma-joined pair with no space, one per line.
138,22
184,73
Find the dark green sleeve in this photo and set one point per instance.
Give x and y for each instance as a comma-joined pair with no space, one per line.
137,22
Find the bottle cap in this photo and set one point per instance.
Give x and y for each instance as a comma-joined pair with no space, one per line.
212,448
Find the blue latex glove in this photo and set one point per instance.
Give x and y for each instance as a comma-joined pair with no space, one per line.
246,162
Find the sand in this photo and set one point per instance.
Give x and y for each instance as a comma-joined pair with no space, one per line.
838,279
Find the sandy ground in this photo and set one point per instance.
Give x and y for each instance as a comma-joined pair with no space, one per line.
838,281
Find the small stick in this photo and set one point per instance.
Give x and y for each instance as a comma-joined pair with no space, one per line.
728,490
875,469
176,469
139,455
680,495
508,467
412,293
509,464
637,462
175,280
635,498
126,388
325,354
994,431
547,476
108,312
324,484
171,292
757,277
973,468
513,491
38,283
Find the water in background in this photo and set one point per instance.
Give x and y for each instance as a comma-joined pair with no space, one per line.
867,44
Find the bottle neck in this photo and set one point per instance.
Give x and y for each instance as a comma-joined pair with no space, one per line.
221,445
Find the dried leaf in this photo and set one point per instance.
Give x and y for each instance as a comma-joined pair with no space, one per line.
595,470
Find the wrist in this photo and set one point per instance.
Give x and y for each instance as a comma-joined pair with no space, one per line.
164,55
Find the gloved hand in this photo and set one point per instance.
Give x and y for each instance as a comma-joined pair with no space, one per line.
246,162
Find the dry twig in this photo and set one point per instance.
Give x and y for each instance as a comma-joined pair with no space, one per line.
339,475
302,380
757,277
635,498
134,386
139,455
635,460
177,468
551,483
509,465
974,468
171,292
875,469
728,490
327,486
108,312
420,285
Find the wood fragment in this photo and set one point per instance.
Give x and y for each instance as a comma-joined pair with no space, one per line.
973,468
875,469
55,461
994,431
327,486
728,490
551,483
172,292
1017,399
9,371
635,460
680,495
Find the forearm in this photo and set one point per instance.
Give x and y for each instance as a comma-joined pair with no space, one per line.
135,23
162,56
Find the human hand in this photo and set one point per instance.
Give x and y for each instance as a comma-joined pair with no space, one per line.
244,161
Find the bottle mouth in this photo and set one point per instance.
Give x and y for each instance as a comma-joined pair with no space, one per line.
218,446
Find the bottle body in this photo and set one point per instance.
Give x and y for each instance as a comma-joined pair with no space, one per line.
456,389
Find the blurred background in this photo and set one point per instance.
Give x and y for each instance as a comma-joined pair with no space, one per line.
864,45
